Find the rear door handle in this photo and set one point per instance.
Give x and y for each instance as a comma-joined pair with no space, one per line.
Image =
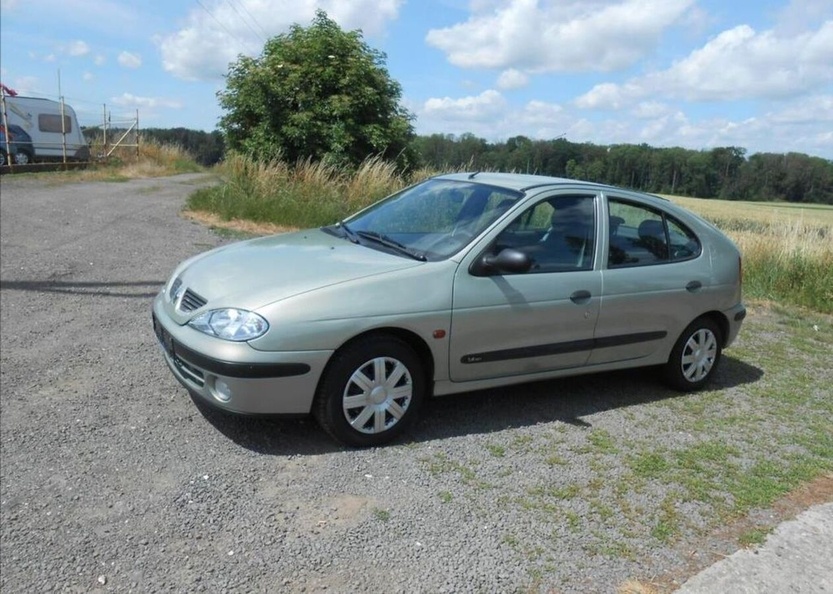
693,286
581,296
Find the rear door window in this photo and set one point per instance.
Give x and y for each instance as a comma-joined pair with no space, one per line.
643,236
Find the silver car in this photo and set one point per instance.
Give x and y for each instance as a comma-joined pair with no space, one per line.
461,282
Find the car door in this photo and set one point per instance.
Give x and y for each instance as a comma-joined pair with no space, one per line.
652,278
539,320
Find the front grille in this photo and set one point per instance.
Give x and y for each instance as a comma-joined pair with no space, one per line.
191,301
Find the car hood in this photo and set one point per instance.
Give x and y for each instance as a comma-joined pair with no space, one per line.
252,274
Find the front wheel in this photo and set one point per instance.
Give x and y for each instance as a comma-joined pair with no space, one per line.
695,356
370,392
22,158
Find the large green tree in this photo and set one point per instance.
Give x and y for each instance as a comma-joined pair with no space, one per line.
317,92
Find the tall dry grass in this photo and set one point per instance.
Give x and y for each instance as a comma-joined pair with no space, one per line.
309,194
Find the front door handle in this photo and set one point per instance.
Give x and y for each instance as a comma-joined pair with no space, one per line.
693,286
581,296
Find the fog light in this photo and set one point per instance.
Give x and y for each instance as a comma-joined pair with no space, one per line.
222,391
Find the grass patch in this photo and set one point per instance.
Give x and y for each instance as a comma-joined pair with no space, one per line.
498,451
754,537
599,441
440,464
382,515
667,526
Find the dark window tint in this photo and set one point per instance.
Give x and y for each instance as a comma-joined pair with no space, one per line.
641,236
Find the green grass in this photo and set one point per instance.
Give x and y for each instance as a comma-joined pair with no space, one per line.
498,451
382,515
754,537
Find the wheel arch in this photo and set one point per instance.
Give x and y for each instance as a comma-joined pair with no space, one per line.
412,339
722,324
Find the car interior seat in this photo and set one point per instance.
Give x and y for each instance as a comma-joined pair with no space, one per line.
652,237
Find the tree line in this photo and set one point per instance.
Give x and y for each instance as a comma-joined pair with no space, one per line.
723,172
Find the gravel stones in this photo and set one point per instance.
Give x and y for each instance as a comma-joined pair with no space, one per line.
114,480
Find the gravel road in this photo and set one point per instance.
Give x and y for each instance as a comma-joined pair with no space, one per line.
114,480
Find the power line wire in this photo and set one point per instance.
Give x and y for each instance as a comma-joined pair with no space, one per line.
245,22
219,22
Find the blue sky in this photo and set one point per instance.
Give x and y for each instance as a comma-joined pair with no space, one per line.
691,73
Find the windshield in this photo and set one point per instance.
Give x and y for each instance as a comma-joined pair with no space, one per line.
434,219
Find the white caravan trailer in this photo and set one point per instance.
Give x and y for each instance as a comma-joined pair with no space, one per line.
52,138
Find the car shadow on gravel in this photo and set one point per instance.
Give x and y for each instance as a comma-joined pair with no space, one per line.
97,288
568,400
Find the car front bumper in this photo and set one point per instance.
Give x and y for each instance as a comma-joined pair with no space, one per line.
238,378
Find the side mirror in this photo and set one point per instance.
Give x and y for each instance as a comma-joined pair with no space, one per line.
507,260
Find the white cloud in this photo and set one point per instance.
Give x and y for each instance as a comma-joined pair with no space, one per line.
99,60
739,63
566,36
129,60
488,105
604,96
88,76
810,110
512,79
204,48
130,100
649,110
78,48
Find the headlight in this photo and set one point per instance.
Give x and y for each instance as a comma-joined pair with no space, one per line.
231,324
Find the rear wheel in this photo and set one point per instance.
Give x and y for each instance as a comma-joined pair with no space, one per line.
695,355
22,158
2,158
370,392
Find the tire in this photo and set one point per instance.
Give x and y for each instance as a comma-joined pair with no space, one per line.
695,356
370,392
3,158
22,158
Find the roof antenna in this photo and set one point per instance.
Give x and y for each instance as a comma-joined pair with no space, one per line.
473,174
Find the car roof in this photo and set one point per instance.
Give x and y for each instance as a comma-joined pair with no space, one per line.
522,182
512,181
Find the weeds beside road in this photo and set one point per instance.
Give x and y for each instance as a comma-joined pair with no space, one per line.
113,480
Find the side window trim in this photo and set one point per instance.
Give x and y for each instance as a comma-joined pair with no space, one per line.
667,253
588,259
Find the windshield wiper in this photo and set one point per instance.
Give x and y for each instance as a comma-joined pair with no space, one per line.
348,232
393,244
